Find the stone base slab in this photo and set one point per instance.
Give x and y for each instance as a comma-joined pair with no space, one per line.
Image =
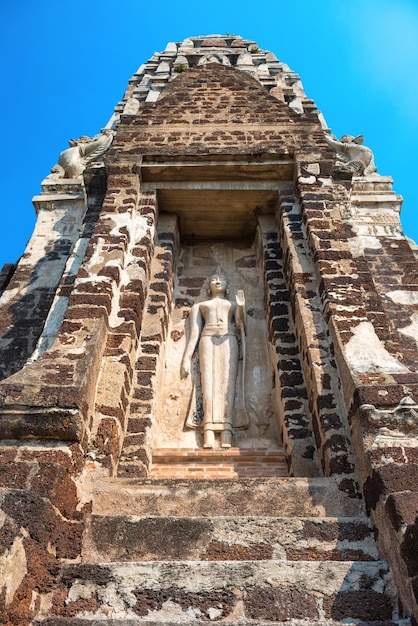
270,497
269,590
128,538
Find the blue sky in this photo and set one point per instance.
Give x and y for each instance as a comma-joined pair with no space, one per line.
65,66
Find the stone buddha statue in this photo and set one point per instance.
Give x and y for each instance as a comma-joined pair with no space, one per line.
214,324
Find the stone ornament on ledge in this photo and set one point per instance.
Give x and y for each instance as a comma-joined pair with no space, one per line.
212,325
214,58
352,155
404,417
83,151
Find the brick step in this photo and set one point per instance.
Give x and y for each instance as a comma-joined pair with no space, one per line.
222,591
230,463
129,538
269,497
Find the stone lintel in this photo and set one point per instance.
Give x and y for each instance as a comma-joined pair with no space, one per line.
221,186
211,169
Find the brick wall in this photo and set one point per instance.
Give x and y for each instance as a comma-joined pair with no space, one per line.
214,110
137,450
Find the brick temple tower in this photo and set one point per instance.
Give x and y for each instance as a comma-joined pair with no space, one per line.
169,453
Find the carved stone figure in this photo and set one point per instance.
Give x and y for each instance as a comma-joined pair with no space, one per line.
212,321
403,417
83,151
354,156
214,58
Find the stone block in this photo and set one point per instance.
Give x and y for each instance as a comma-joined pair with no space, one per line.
389,479
365,605
280,605
402,508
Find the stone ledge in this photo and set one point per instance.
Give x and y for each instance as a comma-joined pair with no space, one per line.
65,424
239,538
287,497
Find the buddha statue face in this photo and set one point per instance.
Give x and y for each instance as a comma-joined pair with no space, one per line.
218,284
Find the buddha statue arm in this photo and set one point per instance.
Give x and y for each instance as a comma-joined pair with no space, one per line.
241,322
240,314
196,323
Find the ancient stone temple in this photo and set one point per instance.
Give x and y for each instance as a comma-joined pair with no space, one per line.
209,386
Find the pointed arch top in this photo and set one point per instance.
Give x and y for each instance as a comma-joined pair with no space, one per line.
153,77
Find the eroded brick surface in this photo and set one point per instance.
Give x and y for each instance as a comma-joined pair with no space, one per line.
206,605
280,604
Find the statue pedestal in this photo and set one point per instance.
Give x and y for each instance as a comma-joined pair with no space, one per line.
231,463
